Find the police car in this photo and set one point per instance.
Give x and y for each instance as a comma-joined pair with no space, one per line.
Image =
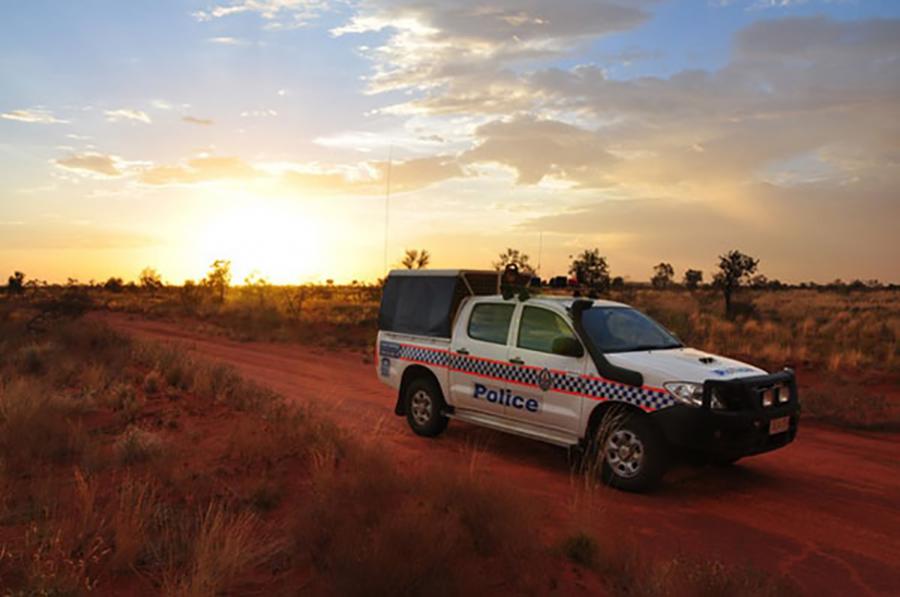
595,375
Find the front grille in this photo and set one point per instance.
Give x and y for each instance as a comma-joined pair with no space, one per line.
752,393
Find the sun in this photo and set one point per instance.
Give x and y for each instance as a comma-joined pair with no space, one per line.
276,241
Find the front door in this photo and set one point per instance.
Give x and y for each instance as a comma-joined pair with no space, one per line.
478,358
546,400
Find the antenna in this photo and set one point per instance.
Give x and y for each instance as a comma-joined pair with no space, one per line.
387,203
540,250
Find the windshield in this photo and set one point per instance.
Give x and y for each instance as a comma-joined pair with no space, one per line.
620,329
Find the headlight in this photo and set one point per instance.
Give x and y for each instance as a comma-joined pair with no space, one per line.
686,392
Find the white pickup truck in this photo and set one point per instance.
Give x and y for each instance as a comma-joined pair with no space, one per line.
557,369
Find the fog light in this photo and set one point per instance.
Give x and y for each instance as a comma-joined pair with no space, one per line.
784,394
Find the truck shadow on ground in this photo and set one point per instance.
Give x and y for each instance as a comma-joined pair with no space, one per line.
685,479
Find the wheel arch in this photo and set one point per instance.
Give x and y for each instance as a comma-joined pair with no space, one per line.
410,374
606,407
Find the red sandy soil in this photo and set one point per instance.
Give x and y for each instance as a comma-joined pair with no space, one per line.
825,511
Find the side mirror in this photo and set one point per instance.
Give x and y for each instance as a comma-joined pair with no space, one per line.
567,346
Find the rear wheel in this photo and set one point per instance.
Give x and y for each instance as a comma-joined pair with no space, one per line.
424,407
633,452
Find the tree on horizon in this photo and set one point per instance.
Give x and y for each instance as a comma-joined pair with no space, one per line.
414,259
516,258
663,274
16,283
734,269
591,269
218,279
692,278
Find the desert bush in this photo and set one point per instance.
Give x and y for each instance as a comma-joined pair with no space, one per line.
215,381
52,565
36,426
71,302
136,446
225,545
137,502
32,359
64,554
122,399
153,383
581,548
93,379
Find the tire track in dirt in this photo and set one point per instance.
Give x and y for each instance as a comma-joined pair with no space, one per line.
825,511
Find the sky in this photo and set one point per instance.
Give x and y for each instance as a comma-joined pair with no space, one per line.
307,140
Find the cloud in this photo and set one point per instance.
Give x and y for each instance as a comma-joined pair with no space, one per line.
460,55
92,164
228,41
795,90
261,113
198,170
538,148
277,13
32,115
194,120
127,114
370,178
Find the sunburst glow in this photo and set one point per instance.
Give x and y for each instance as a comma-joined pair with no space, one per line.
276,241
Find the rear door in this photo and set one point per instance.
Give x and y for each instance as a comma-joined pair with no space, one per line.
552,380
478,353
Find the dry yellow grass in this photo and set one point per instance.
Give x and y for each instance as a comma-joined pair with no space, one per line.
856,330
226,545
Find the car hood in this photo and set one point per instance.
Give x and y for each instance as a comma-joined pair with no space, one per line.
681,364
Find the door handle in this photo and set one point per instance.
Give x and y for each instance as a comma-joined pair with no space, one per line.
516,361
462,351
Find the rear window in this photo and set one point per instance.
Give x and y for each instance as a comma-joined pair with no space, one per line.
420,305
489,322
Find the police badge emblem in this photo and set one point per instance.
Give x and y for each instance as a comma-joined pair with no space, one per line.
545,380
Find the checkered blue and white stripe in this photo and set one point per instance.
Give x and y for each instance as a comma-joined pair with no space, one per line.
590,387
638,396
422,354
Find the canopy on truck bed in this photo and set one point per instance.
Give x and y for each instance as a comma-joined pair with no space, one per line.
424,302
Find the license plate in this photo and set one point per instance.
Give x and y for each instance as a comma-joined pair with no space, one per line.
779,425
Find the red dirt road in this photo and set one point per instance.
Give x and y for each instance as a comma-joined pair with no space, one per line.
824,511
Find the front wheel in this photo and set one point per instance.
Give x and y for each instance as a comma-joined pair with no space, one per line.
633,453
424,406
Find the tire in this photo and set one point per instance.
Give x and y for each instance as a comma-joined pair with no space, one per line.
424,407
634,454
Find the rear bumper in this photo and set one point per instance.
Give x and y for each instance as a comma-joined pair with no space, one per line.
740,430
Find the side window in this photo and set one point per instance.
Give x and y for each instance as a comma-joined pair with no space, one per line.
489,322
538,328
